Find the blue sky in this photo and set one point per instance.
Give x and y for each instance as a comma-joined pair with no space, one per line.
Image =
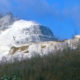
61,16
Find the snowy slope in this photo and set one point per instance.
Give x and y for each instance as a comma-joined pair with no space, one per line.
43,48
21,32
26,38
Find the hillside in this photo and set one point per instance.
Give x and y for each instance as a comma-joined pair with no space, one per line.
30,51
65,65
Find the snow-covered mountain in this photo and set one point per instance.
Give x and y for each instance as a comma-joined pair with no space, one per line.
25,38
23,32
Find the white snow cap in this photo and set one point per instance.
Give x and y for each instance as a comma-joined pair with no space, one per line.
23,31
23,23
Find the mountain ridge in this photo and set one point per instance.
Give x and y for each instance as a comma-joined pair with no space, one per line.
27,38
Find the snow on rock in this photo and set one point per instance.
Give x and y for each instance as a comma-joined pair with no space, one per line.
43,48
27,38
23,32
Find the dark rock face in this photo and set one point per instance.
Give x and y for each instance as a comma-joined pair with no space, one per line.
37,33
